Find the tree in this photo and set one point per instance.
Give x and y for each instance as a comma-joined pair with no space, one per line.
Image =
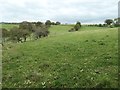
38,24
104,25
108,21
48,23
24,33
78,23
117,22
77,26
26,25
41,31
58,23
100,25
53,23
17,34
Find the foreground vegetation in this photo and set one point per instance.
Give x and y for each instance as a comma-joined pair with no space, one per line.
85,58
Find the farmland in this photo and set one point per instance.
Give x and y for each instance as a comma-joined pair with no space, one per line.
86,58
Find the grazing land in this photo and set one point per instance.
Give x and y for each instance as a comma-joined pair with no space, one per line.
8,26
86,58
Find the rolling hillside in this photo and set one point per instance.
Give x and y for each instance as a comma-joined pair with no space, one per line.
86,58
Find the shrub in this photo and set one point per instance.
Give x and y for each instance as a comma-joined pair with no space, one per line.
71,30
111,26
5,34
38,24
77,26
57,23
48,23
17,34
26,25
41,31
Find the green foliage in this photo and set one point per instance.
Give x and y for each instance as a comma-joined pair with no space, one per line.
16,34
57,23
108,21
52,23
41,31
39,24
48,23
25,30
77,26
117,22
71,30
26,25
100,25
4,34
78,23
111,26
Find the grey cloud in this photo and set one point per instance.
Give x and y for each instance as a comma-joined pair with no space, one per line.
66,11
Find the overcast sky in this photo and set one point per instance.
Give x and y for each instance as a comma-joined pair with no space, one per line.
65,11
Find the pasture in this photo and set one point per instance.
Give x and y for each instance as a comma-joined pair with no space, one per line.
87,58
8,26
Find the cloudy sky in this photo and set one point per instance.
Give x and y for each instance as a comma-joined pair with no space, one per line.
65,11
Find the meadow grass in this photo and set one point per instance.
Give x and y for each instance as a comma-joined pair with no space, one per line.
87,58
8,26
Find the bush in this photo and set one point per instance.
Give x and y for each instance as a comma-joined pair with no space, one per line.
100,25
117,24
5,34
57,23
25,30
17,34
48,23
26,25
77,26
71,30
38,24
111,26
41,32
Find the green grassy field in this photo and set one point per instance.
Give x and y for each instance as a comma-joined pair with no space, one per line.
8,26
86,58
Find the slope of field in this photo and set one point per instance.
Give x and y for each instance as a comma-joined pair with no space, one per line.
87,58
8,26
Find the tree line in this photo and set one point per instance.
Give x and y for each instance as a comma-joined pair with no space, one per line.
17,23
39,29
109,23
27,29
